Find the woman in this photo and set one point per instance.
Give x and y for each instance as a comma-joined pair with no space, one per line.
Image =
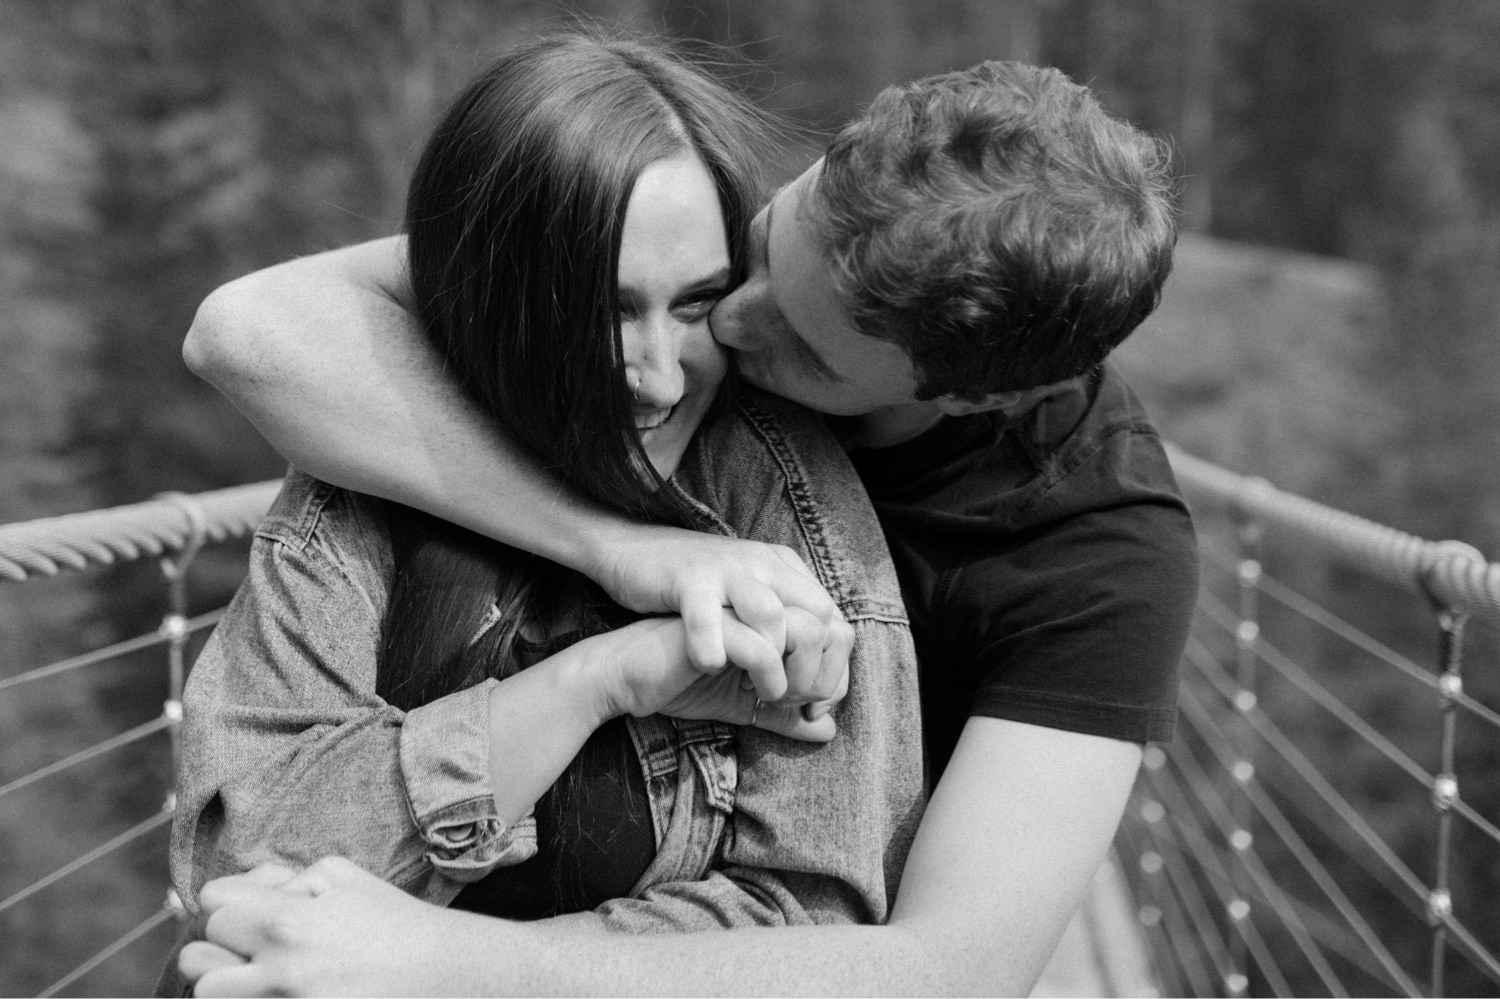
480,728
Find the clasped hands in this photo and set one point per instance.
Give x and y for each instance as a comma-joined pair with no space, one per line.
761,642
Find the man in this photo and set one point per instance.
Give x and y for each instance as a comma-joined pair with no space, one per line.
946,283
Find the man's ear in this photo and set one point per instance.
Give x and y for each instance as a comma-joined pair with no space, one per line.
1012,404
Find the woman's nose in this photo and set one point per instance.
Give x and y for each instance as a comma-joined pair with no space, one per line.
653,363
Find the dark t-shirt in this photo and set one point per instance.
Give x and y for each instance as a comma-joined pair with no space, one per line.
1048,565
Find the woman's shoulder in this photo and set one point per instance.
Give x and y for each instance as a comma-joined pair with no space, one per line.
312,518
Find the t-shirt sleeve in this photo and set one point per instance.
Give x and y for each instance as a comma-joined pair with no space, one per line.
1082,626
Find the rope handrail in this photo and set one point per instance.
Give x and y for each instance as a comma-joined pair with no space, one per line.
1449,572
1296,602
95,538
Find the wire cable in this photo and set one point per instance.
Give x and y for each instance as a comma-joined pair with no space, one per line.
123,739
1213,803
141,929
133,833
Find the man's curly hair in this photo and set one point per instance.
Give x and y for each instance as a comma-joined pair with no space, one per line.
998,225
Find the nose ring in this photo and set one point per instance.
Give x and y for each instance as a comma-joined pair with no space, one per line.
633,380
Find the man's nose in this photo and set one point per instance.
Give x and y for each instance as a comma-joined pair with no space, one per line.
728,322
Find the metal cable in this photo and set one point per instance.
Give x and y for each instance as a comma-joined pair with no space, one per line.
1219,811
141,929
124,738
1450,573
1292,600
1174,951
134,832
1221,614
1311,610
1343,836
1288,751
114,651
1186,893
1473,949
1201,849
1197,713
102,537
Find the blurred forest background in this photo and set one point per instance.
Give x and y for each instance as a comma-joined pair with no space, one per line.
1332,324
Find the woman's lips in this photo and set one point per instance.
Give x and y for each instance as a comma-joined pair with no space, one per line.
653,419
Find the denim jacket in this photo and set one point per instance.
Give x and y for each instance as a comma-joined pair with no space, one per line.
288,754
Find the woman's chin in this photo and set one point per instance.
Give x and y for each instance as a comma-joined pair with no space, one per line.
666,443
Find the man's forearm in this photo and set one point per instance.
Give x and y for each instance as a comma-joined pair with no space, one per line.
1005,853
333,371
325,359
813,960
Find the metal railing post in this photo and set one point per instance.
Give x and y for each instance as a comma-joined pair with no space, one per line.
1451,621
1249,534
174,628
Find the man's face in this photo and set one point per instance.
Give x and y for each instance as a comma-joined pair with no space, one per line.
788,332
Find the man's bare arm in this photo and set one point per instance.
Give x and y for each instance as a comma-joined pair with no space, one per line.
1005,852
322,356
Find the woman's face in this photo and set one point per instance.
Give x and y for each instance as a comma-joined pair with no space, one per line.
674,266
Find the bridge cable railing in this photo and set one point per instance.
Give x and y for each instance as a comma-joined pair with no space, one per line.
1184,809
172,528
1191,830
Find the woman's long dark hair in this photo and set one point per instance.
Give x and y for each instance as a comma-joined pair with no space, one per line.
514,220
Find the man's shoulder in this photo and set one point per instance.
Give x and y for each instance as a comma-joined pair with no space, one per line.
1088,448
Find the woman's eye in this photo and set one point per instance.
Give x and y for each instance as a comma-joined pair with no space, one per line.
695,309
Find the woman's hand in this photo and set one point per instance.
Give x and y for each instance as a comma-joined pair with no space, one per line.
645,668
661,569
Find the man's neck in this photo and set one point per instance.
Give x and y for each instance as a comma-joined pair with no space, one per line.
887,426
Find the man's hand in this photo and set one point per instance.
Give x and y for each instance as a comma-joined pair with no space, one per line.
669,570
331,930
643,669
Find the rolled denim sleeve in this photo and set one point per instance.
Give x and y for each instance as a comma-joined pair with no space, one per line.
445,765
288,754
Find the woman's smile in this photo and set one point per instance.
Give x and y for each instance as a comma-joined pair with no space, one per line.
646,422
